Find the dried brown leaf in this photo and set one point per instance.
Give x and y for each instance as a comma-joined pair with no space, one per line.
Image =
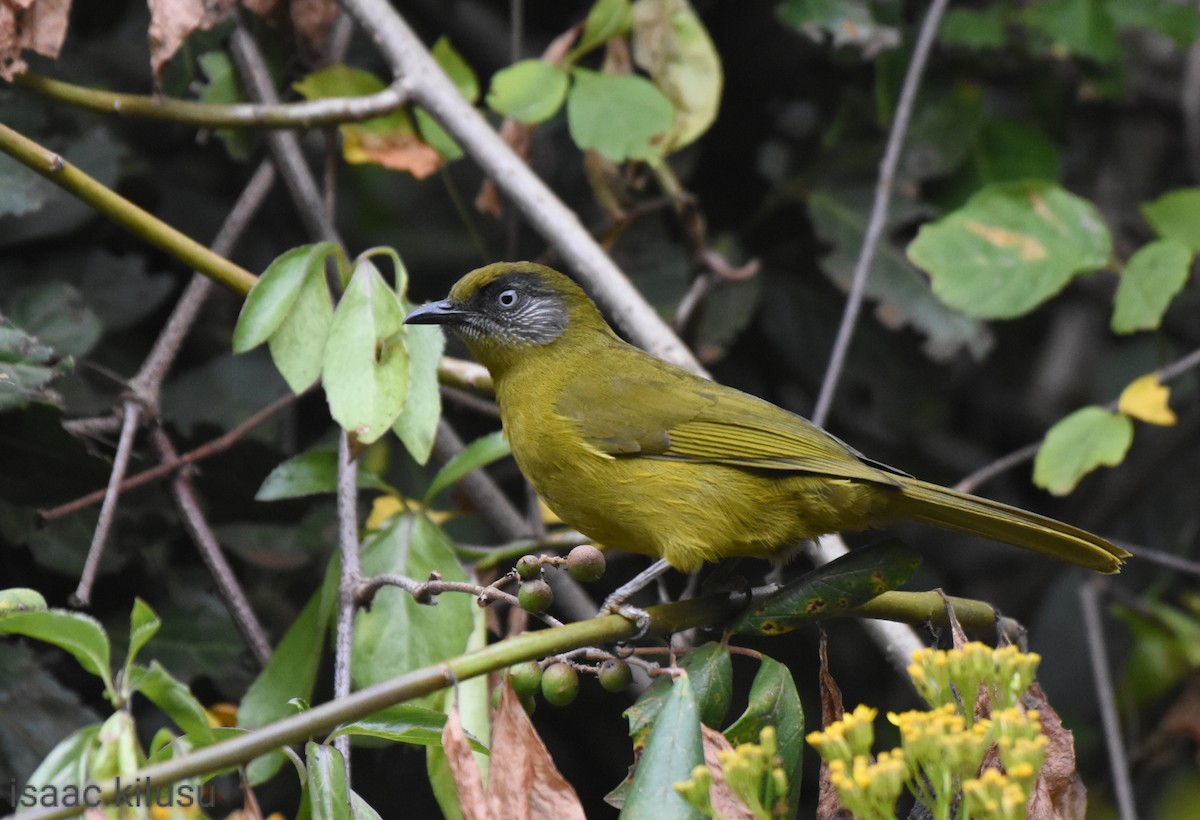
312,20
468,783
832,710
1059,793
173,21
723,799
37,25
399,150
524,782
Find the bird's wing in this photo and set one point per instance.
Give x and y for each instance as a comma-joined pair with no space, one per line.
675,415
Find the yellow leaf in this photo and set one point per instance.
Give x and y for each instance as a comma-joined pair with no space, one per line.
386,507
1146,399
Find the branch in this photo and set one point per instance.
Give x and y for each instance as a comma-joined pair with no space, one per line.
314,113
320,720
120,210
879,208
1165,374
412,63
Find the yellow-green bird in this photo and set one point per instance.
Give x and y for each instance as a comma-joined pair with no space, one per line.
641,455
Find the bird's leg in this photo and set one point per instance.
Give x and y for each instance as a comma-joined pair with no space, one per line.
615,603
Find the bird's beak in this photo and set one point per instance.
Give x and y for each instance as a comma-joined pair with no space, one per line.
435,313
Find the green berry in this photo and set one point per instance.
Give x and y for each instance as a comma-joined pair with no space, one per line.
529,567
560,684
526,678
615,675
535,596
585,563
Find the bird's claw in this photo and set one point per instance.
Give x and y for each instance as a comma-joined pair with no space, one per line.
639,617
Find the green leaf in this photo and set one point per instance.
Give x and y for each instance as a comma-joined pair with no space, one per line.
606,19
479,453
223,86
1012,151
418,421
143,625
328,792
843,584
290,674
21,599
1081,27
775,702
433,133
1179,21
672,751
529,91
67,763
975,28
711,674
622,117
1010,248
903,294
366,361
672,45
26,368
1151,279
1176,215
403,723
456,68
845,22
276,291
55,313
298,345
311,473
175,699
398,635
79,634
946,124
1088,438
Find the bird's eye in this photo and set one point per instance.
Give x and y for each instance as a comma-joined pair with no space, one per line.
506,298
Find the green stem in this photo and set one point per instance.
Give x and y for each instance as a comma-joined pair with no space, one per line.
311,114
976,617
320,720
129,216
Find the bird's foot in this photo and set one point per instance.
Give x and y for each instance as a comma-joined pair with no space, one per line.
640,618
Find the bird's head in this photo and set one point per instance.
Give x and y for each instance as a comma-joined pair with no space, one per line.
508,309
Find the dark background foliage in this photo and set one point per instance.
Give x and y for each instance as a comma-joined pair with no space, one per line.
784,177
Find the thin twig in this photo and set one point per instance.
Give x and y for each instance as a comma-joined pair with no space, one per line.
285,145
347,516
210,551
134,219
207,450
879,208
1093,627
92,426
426,592
129,427
1165,374
311,114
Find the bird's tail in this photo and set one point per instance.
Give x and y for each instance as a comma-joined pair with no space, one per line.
943,507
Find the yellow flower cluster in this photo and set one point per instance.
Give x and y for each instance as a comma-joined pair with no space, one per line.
753,773
843,739
869,788
992,796
955,676
942,750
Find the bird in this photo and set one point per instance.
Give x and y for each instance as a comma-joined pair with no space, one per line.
646,457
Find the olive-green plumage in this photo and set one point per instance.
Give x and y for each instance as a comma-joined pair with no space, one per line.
644,456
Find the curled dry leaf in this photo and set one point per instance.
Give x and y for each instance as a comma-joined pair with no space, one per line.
173,21
37,25
724,802
468,784
832,710
1059,793
524,783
